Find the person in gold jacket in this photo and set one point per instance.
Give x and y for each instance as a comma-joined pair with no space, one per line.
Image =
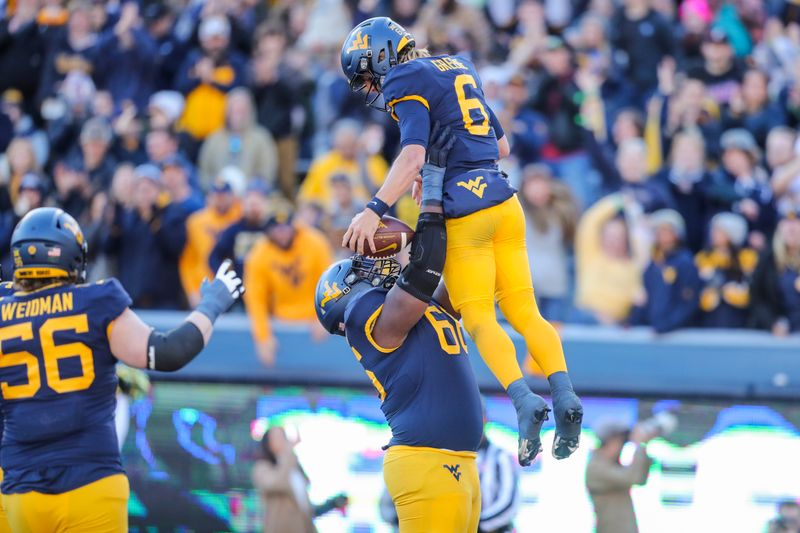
610,259
726,268
281,271
366,172
202,228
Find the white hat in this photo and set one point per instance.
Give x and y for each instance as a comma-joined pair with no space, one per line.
171,103
214,27
733,225
669,217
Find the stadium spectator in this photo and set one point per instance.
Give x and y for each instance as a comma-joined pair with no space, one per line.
128,145
789,513
32,194
19,160
365,171
236,241
275,101
72,49
785,166
283,486
165,109
551,215
206,75
628,124
93,154
609,260
159,21
631,166
73,191
281,273
146,241
13,107
686,180
726,267
609,482
343,207
671,282
438,19
125,58
750,108
720,71
774,293
175,177
526,129
241,143
203,227
67,110
742,186
645,38
555,96
22,50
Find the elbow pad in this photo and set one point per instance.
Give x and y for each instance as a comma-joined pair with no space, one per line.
171,351
428,251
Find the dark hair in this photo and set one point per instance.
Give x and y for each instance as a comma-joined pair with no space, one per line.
30,285
268,455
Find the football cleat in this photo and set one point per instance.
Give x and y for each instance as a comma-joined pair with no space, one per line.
530,416
568,418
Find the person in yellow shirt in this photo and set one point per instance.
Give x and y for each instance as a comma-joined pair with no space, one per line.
282,270
366,172
202,228
610,259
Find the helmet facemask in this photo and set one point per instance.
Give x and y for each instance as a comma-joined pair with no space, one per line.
366,81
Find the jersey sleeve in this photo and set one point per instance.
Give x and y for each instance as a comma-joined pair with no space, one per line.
111,300
415,123
404,83
495,124
359,319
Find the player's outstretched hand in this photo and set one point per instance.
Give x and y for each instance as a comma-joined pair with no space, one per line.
442,141
362,231
218,295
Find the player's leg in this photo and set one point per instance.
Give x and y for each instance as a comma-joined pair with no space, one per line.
100,507
469,273
517,302
4,525
428,490
34,512
472,477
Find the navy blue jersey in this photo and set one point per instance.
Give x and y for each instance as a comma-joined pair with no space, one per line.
450,89
6,289
58,383
427,387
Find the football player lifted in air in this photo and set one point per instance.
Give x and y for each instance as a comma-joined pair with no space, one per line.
486,255
402,330
60,340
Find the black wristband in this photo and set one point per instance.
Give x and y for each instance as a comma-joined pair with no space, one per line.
378,206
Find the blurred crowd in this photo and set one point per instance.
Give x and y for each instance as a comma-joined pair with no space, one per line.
654,145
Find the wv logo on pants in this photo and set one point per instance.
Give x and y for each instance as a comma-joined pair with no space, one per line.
474,186
453,469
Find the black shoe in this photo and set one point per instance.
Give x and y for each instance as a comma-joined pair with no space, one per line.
530,416
568,413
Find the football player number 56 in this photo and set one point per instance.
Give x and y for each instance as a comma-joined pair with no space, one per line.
468,104
51,353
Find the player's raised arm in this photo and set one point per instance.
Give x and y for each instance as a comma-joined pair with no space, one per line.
415,123
136,344
407,300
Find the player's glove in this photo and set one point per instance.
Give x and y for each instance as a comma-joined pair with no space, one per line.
218,296
439,147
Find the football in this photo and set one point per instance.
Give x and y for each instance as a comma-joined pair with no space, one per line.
392,236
